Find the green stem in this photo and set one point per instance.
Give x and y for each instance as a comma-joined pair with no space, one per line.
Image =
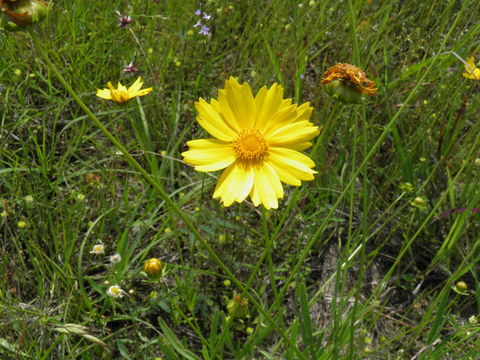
161,192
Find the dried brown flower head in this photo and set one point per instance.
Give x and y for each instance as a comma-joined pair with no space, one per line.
353,75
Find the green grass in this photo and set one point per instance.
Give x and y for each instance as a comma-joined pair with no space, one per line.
345,268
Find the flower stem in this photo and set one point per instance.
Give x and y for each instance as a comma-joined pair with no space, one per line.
161,192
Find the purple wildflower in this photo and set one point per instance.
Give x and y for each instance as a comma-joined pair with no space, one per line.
204,30
124,21
130,68
198,12
199,23
206,16
302,76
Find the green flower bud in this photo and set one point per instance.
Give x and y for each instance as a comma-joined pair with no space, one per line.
20,14
344,91
461,285
238,306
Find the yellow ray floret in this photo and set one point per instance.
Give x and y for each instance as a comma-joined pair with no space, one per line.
121,94
471,71
256,139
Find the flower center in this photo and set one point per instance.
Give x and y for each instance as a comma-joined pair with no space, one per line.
120,95
250,145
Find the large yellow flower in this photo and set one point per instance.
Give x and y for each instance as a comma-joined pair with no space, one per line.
257,139
122,94
472,72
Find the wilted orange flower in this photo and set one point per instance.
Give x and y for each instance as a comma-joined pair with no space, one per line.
352,74
17,14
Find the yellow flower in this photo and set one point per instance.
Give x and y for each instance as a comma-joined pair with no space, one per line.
153,267
257,139
472,72
122,94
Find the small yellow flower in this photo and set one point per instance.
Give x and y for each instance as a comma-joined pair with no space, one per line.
472,72
21,224
115,291
122,94
419,202
153,268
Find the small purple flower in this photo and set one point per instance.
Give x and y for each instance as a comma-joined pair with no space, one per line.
206,16
198,12
130,68
199,23
302,76
204,30
124,21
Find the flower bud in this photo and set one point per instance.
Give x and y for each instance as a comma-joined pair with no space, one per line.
18,14
153,268
344,91
461,285
347,83
238,306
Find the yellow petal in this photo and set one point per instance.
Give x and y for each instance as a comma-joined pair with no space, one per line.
240,100
212,122
143,92
235,184
304,112
300,146
471,71
285,173
121,87
267,188
471,64
136,86
292,162
293,133
104,94
267,102
282,117
209,154
225,112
